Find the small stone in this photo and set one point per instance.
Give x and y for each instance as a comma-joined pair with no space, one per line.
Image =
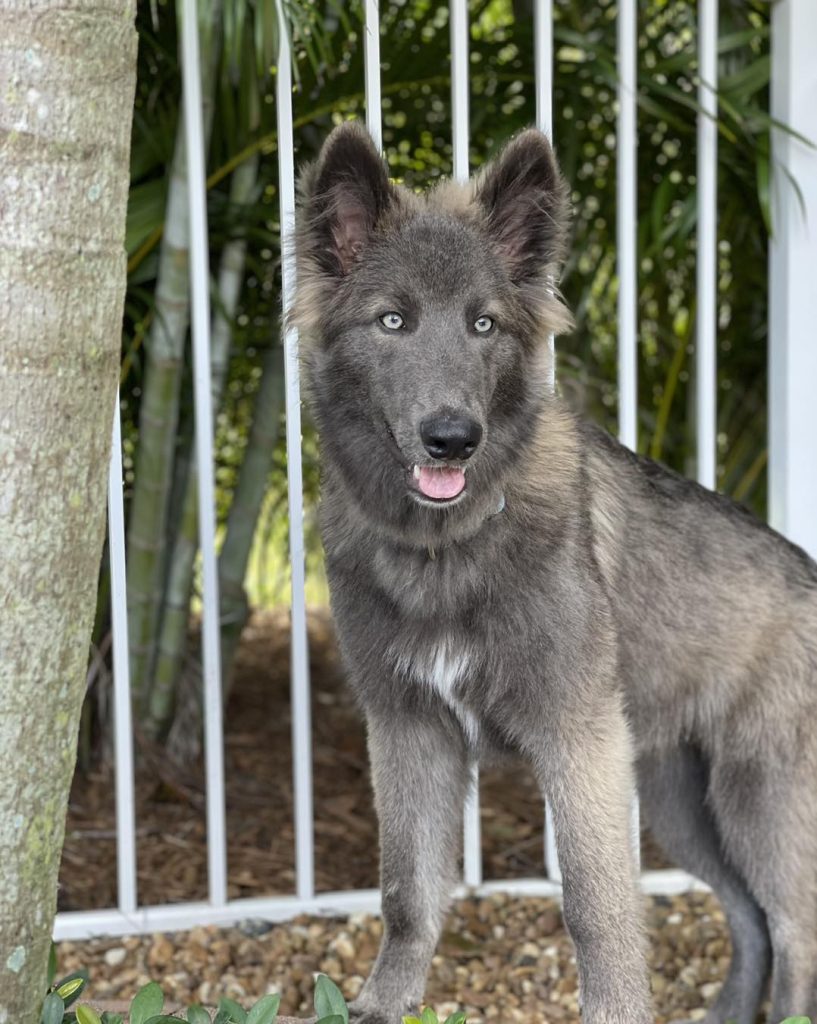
344,947
255,926
331,966
115,956
200,935
352,986
711,989
161,951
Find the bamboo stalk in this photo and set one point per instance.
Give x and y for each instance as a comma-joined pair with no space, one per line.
176,608
246,506
159,407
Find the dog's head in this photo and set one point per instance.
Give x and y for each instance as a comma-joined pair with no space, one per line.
424,323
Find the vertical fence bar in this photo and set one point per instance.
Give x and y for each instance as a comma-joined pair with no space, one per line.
543,86
371,58
627,243
552,869
792,262
543,65
627,226
459,86
203,400
707,259
301,715
458,11
123,728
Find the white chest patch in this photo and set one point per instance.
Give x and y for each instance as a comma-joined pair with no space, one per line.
442,666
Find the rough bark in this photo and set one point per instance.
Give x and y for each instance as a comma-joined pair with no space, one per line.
67,78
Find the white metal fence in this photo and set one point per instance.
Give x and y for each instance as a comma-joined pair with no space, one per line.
793,420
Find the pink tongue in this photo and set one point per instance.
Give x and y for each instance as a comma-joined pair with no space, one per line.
441,483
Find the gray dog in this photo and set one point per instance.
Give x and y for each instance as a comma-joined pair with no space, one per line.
508,579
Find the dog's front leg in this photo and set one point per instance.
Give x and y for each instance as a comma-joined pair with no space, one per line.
586,773
420,775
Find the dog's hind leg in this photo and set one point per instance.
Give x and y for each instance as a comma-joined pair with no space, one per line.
764,807
420,775
672,787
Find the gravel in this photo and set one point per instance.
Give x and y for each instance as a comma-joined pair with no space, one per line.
501,958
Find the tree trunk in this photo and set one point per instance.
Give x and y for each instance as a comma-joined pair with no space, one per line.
67,77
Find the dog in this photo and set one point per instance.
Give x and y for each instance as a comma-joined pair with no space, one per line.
506,578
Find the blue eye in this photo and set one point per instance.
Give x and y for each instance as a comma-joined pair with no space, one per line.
393,321
483,324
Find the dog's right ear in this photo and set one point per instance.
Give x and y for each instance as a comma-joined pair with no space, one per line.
344,196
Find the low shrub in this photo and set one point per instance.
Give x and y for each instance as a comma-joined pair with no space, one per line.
148,1004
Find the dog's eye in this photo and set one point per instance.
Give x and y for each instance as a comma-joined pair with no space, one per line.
393,321
483,324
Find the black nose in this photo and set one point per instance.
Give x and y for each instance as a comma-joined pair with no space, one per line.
450,437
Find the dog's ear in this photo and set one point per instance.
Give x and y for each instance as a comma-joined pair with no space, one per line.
524,200
344,196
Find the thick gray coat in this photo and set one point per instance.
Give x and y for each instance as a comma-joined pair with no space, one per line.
575,605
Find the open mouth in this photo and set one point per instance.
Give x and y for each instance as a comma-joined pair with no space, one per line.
440,484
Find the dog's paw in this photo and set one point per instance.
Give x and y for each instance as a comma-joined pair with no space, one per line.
364,1014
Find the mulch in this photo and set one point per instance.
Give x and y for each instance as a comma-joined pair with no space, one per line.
500,959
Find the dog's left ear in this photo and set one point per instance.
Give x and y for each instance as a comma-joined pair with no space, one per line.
525,203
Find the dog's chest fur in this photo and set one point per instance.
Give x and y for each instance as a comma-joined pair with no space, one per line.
443,665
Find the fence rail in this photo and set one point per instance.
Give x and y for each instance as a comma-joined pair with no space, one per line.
794,477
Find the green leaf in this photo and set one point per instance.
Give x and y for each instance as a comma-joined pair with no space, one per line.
162,1018
53,1009
329,1000
796,1020
265,1010
113,1018
197,1015
428,1016
87,1015
333,1018
412,1020
229,1012
70,987
147,1003
455,1018
52,964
